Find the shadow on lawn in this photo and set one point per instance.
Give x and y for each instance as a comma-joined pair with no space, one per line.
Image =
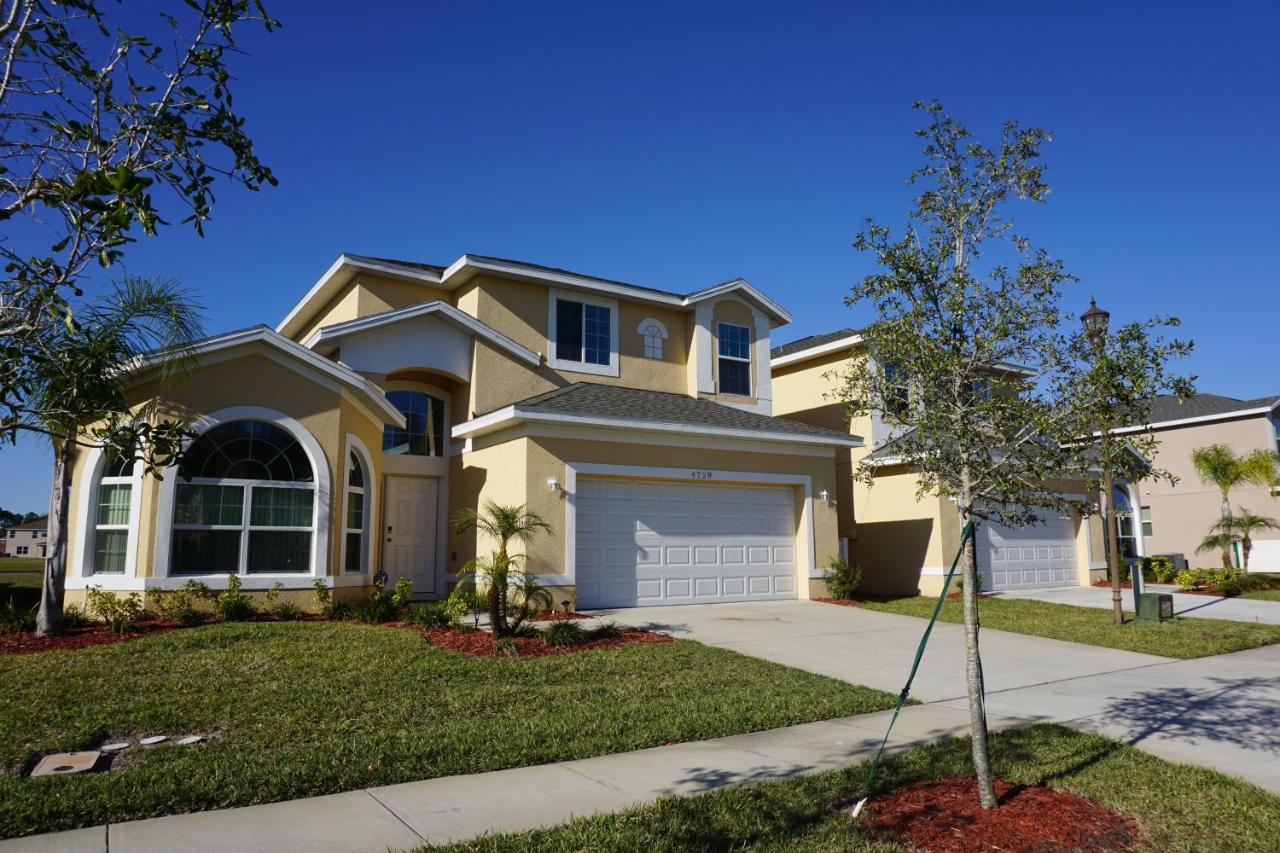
1237,711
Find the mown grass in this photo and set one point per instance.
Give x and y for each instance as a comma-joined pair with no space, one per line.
1263,594
1177,807
301,709
1176,638
21,565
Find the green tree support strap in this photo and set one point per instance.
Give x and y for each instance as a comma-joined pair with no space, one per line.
967,534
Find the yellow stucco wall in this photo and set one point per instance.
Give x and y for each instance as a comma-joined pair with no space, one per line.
734,312
368,293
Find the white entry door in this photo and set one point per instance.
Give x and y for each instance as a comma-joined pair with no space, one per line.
1035,556
409,531
648,542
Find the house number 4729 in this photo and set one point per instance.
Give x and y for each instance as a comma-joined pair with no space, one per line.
702,475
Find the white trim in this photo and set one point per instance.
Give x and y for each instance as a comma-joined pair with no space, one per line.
568,365
652,321
805,536
1201,419
655,351
703,349
86,512
261,334
448,313
515,413
351,445
814,352
340,273
720,356
321,502
615,436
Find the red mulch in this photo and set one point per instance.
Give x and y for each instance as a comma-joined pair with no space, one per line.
483,645
956,596
26,642
944,816
1129,585
559,616
843,602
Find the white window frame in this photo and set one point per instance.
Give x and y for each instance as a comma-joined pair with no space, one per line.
246,527
82,561
357,447
320,506
654,332
21,550
720,356
133,481
610,369
900,381
1145,525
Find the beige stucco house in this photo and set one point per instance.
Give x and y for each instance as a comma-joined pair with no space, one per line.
30,539
1172,518
905,543
638,422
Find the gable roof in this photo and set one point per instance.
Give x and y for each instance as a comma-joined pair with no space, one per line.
41,523
441,310
364,390
819,344
593,404
1168,410
347,265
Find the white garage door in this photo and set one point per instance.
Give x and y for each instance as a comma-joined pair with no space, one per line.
1039,555
648,542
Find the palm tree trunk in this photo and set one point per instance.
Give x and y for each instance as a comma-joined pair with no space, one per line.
1227,518
1246,545
49,620
973,665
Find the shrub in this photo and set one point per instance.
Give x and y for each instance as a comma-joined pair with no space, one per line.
341,610
74,617
380,606
606,631
842,579
118,614
433,614
230,604
401,593
285,611
14,619
1189,579
179,605
506,647
464,600
324,598
564,633
1159,569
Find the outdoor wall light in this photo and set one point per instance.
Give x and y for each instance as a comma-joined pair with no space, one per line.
553,485
825,495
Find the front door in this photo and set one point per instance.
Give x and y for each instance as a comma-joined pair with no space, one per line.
409,547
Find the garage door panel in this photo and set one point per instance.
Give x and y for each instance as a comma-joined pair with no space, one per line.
697,543
1035,556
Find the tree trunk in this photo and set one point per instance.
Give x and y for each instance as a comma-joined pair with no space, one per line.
1113,537
1227,516
973,667
497,586
1246,545
49,621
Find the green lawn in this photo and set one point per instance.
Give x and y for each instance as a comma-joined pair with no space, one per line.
27,565
1177,638
1263,594
1177,807
311,708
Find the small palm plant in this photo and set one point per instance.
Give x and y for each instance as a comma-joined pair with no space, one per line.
511,592
1243,526
1222,541
1220,466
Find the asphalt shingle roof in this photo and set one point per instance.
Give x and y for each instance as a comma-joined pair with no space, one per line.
1170,408
810,342
39,524
588,399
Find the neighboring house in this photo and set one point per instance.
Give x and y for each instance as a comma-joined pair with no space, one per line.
1174,518
906,543
636,421
28,540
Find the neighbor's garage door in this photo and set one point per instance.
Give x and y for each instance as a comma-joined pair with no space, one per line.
1039,555
648,542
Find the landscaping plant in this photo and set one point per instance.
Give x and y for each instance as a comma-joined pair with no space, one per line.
15,619
285,611
1219,466
842,578
431,614
120,614
179,605
512,595
230,604
1243,525
463,600
564,633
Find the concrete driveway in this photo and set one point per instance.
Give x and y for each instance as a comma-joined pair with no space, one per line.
1184,604
1220,712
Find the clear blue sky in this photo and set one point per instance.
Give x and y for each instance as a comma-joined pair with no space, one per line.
681,144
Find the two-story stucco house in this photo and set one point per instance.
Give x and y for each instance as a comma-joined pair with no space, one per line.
1173,518
30,539
905,543
636,421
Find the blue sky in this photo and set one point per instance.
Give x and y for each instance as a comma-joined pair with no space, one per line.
677,145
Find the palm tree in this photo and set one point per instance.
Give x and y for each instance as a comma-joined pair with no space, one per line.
1218,465
78,397
1243,526
504,524
1221,542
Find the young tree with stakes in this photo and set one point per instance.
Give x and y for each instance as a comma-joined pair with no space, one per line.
960,303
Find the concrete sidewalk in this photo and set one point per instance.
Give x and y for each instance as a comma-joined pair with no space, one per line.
1184,603
455,808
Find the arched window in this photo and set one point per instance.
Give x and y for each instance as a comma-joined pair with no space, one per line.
654,333
357,514
423,433
112,509
244,502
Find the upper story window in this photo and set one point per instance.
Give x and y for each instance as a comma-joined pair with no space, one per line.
423,432
734,359
897,392
654,333
584,334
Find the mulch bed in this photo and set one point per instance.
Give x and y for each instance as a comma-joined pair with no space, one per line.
944,816
26,642
1129,585
483,645
843,602
559,616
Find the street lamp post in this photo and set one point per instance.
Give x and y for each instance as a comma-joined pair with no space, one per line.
1095,327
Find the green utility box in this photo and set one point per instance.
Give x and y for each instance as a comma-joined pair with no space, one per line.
1155,606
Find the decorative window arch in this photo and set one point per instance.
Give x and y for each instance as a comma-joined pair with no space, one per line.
359,495
654,333
251,497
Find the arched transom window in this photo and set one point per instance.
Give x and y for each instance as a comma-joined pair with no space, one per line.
423,432
244,503
654,333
